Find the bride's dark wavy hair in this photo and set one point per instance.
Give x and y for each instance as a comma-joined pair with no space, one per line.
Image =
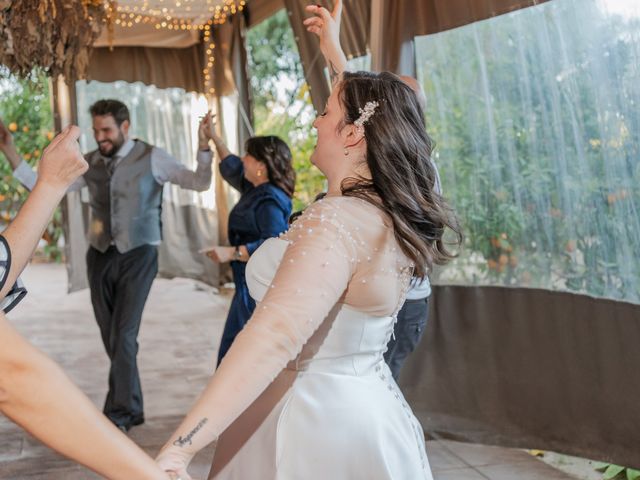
403,177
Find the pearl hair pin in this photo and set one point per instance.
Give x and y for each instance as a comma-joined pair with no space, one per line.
366,113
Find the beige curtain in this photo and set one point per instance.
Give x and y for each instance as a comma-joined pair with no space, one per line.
387,26
259,10
162,67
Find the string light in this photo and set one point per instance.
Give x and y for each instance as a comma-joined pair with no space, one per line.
174,15
171,16
210,46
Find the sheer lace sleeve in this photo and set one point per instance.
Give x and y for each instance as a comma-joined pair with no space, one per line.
314,274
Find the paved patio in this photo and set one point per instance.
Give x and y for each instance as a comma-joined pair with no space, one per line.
178,340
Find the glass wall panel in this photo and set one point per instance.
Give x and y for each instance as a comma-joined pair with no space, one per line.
536,120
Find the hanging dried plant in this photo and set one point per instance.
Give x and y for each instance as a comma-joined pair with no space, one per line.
55,35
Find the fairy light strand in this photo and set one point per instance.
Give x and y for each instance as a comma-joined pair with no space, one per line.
179,16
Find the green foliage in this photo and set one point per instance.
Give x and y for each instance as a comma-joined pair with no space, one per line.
25,108
617,472
282,104
532,114
273,59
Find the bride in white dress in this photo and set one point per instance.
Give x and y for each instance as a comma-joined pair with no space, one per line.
304,392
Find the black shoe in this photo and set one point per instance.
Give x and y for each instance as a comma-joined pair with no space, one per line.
135,421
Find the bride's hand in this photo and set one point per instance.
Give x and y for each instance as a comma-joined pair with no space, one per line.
174,465
175,462
325,24
179,476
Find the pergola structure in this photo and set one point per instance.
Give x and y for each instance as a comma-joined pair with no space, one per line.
513,366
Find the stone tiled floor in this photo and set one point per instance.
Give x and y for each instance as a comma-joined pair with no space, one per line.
180,330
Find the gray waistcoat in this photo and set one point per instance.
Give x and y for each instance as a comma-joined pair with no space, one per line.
126,207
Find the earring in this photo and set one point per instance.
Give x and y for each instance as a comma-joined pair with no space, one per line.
259,173
346,152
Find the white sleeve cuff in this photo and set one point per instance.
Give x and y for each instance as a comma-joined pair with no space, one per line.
204,156
25,175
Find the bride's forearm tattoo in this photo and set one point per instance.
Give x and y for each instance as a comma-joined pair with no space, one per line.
186,440
334,75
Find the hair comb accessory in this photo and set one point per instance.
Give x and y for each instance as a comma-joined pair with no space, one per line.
366,113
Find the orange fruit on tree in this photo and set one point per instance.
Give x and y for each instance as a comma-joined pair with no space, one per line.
25,129
13,126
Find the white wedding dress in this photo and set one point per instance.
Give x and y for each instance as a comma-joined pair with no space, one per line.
335,412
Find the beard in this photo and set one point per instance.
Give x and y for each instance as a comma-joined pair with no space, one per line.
109,148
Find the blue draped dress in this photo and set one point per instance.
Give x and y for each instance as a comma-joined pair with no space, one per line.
261,213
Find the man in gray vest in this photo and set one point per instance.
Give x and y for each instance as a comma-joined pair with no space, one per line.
125,181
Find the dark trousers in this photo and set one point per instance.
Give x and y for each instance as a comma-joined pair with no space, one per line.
412,320
120,284
240,311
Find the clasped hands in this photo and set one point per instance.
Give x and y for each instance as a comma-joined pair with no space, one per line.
206,130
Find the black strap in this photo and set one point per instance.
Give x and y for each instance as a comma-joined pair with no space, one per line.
17,291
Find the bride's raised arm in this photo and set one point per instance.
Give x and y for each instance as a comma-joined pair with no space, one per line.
326,25
314,273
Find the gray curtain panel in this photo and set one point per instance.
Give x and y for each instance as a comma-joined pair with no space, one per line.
530,368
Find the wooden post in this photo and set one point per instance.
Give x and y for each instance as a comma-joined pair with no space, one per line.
65,113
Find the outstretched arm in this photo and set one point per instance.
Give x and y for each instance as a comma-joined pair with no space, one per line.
326,25
313,275
60,166
22,171
208,132
39,397
34,392
167,168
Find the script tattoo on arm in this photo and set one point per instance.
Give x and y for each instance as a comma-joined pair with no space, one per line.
186,440
334,75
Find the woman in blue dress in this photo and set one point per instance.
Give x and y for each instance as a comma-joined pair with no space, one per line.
265,178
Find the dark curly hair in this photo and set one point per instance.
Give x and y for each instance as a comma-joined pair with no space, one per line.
403,176
275,154
109,106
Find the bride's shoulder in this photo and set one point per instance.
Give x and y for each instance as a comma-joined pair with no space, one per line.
353,216
344,206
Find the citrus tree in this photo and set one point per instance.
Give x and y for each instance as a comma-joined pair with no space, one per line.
25,108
